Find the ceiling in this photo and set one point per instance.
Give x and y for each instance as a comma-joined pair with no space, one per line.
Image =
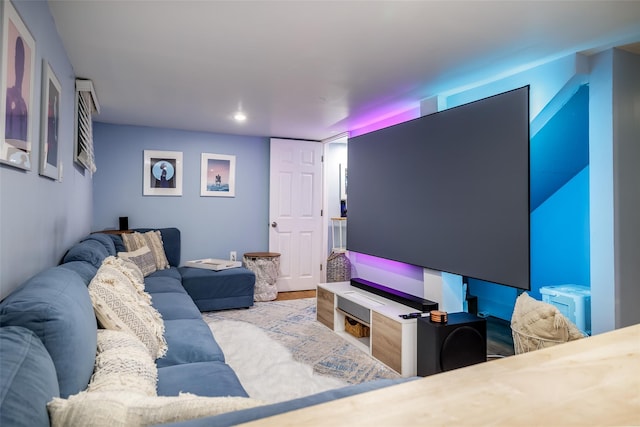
313,69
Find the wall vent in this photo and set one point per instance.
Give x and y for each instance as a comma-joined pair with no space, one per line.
86,104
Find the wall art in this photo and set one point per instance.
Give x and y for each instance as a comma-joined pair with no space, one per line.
218,175
17,89
162,173
49,122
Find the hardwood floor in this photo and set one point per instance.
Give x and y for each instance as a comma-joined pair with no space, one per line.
499,339
282,296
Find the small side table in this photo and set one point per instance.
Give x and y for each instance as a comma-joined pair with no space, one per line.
266,266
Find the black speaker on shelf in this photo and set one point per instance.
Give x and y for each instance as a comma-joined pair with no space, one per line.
124,223
461,341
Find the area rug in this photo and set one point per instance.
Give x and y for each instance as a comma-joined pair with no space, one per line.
291,325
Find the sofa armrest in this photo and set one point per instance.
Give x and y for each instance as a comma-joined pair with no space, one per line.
246,415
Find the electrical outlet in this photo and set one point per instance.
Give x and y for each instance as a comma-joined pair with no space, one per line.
232,255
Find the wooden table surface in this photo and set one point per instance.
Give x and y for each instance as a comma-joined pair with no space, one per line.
592,381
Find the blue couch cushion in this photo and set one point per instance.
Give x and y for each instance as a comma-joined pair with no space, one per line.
105,240
214,379
84,270
175,305
55,304
189,340
154,285
170,273
91,251
117,242
27,378
217,290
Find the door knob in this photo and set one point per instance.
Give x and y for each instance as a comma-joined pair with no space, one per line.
274,224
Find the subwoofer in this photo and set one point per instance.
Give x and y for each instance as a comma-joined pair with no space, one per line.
461,341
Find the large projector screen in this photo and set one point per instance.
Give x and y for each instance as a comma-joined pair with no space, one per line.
448,191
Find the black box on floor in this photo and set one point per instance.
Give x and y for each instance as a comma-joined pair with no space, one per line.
461,341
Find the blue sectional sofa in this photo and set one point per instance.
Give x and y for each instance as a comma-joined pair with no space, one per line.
48,338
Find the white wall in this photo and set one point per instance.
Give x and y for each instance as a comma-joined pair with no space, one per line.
601,187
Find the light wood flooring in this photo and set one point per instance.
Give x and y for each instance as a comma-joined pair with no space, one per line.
499,339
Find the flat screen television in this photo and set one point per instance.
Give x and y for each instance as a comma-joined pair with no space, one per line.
448,191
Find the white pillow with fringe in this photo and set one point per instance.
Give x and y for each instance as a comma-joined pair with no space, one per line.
126,409
151,239
123,363
119,305
142,258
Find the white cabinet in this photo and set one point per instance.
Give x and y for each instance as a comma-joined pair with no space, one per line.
392,339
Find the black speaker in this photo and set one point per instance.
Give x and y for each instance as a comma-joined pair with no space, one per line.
461,341
124,223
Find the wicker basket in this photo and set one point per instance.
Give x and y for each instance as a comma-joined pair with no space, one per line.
524,343
338,267
355,328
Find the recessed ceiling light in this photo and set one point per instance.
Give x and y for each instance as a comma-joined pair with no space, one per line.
239,116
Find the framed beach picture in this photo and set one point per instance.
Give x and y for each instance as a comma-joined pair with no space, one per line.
218,175
49,122
162,175
17,74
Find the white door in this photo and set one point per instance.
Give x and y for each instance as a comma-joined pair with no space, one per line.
295,200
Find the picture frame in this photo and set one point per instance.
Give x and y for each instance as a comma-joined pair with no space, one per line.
17,89
343,182
49,122
218,175
162,173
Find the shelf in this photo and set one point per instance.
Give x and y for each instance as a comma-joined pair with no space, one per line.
392,339
361,343
367,324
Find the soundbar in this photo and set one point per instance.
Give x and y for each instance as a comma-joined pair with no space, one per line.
403,298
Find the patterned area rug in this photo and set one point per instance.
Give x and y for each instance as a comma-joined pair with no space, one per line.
293,324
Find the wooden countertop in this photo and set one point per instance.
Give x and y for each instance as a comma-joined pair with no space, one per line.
592,381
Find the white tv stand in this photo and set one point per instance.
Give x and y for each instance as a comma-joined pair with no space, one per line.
392,339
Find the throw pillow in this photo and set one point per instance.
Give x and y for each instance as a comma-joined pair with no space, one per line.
537,324
120,306
152,239
132,272
126,409
123,363
143,258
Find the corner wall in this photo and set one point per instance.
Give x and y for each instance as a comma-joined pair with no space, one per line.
211,227
626,155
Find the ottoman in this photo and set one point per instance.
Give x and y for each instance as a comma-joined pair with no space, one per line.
219,290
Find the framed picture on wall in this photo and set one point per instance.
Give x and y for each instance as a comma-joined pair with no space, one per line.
218,175
17,74
343,182
49,122
162,173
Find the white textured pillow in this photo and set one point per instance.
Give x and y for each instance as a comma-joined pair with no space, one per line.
125,409
142,258
123,363
539,324
121,306
129,266
151,239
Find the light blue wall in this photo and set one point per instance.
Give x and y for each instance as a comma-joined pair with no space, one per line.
560,237
210,226
41,218
559,248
